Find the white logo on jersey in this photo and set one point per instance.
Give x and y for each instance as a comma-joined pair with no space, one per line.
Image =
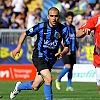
98,22
49,44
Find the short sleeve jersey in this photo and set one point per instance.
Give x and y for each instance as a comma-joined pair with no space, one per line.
49,39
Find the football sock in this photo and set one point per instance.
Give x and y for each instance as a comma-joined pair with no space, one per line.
48,92
69,83
25,86
62,73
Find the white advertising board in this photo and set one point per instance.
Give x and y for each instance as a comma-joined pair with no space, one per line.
82,73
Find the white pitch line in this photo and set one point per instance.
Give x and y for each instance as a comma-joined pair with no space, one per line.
69,99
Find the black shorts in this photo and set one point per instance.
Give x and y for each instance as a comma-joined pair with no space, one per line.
40,63
69,59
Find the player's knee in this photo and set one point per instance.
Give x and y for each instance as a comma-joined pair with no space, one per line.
35,88
48,80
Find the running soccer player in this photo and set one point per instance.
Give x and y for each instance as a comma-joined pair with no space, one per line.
70,58
93,23
49,36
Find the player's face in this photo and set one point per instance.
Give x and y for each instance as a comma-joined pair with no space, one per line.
53,18
69,20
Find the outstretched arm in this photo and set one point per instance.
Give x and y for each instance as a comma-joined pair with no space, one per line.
17,49
82,32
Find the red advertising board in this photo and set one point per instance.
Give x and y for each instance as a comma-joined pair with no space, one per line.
17,72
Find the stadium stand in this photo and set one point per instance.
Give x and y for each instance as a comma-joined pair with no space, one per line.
33,4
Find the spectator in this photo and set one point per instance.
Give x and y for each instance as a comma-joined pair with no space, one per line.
65,5
96,9
82,21
20,21
1,23
5,20
17,6
87,14
9,15
30,19
76,9
8,3
92,2
2,7
14,24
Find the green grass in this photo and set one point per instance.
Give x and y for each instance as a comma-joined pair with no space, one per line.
83,91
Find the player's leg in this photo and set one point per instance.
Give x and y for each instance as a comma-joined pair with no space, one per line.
44,68
98,78
38,82
66,69
47,84
26,86
29,85
69,82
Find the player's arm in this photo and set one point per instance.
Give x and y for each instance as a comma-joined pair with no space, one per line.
65,42
65,48
30,32
82,33
86,29
21,40
63,52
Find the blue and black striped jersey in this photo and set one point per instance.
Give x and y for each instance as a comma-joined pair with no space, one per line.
72,35
49,39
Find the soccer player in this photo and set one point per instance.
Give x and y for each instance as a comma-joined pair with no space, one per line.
49,36
70,58
93,23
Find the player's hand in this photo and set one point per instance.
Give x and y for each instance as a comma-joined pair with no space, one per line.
78,54
59,55
15,52
87,31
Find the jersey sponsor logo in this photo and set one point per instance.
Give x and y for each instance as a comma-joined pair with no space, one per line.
58,35
31,30
50,45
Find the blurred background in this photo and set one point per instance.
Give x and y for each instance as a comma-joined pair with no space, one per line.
18,15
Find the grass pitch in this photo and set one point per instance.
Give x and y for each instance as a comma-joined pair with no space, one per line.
83,91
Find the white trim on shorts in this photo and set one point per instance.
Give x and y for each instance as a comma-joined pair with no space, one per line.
98,75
